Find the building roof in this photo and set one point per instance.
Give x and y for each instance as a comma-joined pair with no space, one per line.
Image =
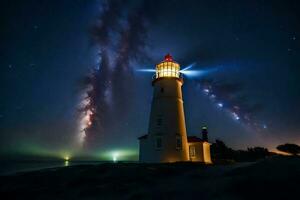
194,139
168,57
143,137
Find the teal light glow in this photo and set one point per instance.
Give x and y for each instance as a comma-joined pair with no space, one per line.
119,155
115,156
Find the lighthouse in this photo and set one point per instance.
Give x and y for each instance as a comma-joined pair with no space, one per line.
166,140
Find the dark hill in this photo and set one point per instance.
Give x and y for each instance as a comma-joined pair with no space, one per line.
273,178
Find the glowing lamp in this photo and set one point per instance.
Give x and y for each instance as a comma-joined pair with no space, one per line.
168,68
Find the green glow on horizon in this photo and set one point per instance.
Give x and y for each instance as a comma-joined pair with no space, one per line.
28,150
119,155
67,158
66,164
115,156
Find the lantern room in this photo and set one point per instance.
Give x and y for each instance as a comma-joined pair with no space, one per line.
168,68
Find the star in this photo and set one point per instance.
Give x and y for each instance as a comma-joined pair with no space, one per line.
265,126
236,117
206,90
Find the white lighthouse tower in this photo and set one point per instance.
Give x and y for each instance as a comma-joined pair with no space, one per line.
166,140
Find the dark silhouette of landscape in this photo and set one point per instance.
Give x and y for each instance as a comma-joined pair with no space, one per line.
254,173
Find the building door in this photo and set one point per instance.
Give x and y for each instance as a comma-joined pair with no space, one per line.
192,152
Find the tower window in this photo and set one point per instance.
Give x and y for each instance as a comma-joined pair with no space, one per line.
162,90
178,142
158,143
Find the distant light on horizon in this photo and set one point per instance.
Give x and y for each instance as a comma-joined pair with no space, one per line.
118,155
66,164
115,156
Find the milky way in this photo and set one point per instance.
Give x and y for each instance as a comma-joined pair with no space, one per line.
120,38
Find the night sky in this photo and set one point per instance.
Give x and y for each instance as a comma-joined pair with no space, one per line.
63,59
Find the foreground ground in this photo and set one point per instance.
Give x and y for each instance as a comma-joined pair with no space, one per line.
273,178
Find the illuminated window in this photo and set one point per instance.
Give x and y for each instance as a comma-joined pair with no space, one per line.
158,143
178,142
192,150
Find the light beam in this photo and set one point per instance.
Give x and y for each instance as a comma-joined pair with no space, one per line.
185,71
146,70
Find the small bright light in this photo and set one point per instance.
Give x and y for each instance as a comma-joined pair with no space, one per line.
236,117
67,158
265,126
220,105
66,164
206,90
115,156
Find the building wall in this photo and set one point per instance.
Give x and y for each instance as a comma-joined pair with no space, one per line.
143,150
198,147
206,152
167,122
202,152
